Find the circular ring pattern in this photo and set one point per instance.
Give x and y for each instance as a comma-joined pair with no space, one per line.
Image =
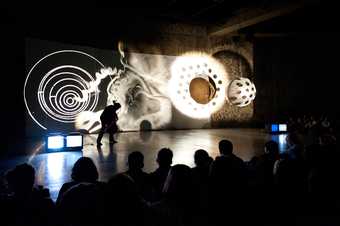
197,65
55,87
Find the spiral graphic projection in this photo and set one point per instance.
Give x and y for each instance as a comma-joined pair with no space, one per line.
56,88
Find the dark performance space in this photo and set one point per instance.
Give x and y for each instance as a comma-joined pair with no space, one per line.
189,113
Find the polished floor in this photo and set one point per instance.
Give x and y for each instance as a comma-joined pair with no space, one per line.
53,169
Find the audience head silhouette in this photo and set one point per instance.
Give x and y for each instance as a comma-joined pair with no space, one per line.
136,160
84,170
123,202
21,179
293,139
178,184
164,157
201,158
225,147
79,205
271,148
122,185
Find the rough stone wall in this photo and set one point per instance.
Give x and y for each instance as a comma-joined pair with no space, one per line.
237,57
172,39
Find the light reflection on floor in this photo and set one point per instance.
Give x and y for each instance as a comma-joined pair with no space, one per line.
281,140
54,169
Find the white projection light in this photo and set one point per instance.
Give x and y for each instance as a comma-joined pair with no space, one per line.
55,142
74,141
197,85
64,142
283,127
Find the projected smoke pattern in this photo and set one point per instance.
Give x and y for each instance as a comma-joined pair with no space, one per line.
147,86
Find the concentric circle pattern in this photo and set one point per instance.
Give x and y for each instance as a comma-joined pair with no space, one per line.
56,87
61,93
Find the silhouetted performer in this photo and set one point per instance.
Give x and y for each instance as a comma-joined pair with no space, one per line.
109,120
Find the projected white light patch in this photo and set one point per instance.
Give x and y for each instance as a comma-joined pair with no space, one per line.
197,85
282,127
74,141
55,142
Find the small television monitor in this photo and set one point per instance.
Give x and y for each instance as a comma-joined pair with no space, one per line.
74,141
274,128
55,142
283,127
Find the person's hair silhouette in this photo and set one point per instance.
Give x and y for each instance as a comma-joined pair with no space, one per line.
84,170
164,157
21,179
271,148
225,147
178,184
136,160
201,158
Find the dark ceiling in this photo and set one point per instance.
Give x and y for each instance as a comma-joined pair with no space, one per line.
98,25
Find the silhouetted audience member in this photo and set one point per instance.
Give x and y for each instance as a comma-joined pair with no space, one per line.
201,182
303,180
228,184
226,150
26,204
295,146
265,165
178,204
290,182
158,177
201,170
123,204
233,162
84,170
81,205
202,162
135,171
323,176
312,155
261,181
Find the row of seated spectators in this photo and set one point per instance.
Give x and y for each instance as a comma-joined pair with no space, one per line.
290,188
313,129
304,124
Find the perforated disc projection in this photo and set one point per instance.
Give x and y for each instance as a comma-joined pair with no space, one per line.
197,85
54,88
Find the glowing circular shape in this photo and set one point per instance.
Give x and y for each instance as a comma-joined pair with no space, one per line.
201,90
241,92
54,89
196,85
